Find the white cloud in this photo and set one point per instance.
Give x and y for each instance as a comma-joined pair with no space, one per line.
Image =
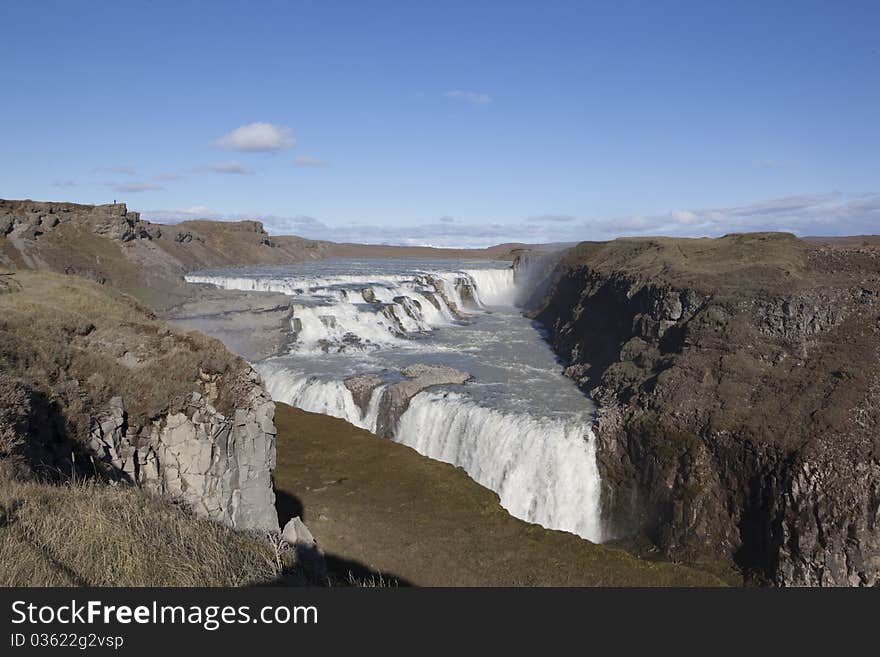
227,167
198,210
119,170
447,219
133,188
258,137
553,218
167,176
63,183
307,161
469,97
824,214
684,216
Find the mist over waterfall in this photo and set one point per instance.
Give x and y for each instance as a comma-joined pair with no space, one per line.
494,287
518,426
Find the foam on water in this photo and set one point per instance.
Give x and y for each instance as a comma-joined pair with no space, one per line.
343,312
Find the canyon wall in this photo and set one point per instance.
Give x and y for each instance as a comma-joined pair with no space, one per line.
739,396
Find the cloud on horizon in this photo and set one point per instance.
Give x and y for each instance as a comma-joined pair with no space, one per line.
308,161
258,138
823,214
553,218
469,97
231,167
133,188
119,170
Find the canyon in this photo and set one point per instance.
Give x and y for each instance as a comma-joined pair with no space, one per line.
709,402
434,355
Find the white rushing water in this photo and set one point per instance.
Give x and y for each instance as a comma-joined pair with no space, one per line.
544,470
519,427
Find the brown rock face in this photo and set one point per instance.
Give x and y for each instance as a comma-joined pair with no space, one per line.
738,386
112,245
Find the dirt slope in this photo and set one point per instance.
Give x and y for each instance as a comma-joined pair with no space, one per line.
384,506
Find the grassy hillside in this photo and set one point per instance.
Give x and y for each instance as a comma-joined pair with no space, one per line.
75,344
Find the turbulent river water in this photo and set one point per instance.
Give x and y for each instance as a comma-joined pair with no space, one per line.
518,427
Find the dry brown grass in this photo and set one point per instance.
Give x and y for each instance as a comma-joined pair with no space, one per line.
81,343
89,534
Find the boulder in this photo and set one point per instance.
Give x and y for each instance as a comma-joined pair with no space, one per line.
361,388
419,376
308,555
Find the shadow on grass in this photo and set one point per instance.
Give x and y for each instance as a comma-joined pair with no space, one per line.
341,571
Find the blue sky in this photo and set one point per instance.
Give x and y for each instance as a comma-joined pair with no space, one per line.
450,123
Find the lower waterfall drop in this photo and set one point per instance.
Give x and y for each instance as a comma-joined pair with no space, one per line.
543,470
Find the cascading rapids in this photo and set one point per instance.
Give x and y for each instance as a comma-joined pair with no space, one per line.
348,312
519,427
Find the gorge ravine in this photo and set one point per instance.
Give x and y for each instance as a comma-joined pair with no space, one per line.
435,355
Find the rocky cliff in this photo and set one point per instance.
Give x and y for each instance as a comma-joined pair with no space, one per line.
92,385
739,396
114,246
111,245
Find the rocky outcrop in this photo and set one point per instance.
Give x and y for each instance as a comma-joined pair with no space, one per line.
361,388
439,286
737,387
92,385
29,220
114,246
308,555
396,398
219,466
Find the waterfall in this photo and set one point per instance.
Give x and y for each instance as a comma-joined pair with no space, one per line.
495,287
319,395
341,313
519,427
543,469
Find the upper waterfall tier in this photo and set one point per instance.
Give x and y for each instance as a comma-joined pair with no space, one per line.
350,305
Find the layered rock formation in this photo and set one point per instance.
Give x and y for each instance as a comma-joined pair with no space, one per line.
219,466
361,388
254,325
738,389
